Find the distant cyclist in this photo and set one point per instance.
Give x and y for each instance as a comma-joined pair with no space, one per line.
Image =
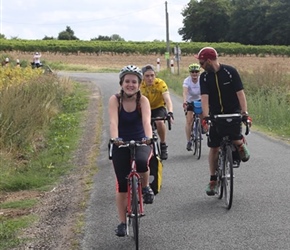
191,92
130,119
36,60
156,90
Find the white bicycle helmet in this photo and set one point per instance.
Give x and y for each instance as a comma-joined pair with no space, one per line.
131,69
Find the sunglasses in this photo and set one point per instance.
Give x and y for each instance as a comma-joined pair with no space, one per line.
194,71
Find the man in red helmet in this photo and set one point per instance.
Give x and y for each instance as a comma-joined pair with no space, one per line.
222,92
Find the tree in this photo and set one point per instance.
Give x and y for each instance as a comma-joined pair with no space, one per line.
68,34
48,38
101,38
2,36
116,37
205,20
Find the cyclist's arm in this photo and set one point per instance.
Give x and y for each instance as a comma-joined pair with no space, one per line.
114,116
185,94
204,104
242,100
167,100
146,116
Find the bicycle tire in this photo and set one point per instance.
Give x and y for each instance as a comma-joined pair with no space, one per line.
135,211
219,174
193,137
198,138
228,177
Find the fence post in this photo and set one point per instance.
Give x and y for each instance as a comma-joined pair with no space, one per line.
158,65
172,66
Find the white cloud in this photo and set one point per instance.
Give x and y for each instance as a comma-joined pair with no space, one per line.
132,20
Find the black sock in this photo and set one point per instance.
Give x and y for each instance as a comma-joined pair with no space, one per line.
213,178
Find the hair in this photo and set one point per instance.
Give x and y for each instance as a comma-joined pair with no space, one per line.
120,99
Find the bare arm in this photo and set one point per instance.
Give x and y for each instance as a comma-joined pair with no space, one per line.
167,99
242,100
114,116
205,106
185,94
146,116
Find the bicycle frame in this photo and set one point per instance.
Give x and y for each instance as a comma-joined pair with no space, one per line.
225,160
156,148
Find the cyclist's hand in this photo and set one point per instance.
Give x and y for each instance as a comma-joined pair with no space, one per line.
146,140
170,115
205,120
117,141
246,119
184,105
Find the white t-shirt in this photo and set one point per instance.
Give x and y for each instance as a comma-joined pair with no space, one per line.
193,89
36,58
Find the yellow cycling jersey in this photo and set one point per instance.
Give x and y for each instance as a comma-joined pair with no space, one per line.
154,92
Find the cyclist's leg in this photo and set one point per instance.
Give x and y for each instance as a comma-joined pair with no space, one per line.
121,163
240,141
143,155
213,143
188,126
161,130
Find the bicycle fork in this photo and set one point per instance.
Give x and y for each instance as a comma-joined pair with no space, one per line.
139,194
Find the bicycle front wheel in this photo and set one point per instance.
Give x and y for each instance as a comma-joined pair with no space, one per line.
135,211
198,139
228,177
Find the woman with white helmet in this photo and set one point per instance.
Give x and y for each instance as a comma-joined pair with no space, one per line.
130,117
191,92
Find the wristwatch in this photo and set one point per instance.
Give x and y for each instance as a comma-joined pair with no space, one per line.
245,113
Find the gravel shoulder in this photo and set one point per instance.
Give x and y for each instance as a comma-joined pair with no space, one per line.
61,210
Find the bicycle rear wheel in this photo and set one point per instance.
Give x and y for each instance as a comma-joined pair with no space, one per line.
228,177
198,139
135,211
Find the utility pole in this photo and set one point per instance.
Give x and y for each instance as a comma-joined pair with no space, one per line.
1,17
167,37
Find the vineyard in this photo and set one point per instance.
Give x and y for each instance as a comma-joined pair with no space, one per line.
129,48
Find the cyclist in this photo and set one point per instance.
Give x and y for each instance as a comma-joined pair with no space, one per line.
222,92
191,92
36,60
156,90
130,119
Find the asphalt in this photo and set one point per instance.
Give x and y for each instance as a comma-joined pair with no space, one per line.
183,216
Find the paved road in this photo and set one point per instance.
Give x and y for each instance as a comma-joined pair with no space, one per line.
183,216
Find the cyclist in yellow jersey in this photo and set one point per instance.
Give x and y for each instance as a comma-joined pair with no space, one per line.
156,90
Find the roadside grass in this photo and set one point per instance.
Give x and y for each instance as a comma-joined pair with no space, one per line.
37,159
268,96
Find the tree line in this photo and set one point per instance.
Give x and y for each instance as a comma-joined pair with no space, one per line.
256,22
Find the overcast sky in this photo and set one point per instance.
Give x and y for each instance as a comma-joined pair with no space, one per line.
133,20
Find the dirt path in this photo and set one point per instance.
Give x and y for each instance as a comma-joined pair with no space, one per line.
61,210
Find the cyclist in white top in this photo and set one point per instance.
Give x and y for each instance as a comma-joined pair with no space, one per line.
191,92
36,60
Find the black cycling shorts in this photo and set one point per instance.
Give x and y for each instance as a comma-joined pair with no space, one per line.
159,112
122,165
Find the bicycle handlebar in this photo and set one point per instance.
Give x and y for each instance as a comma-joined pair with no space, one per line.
165,118
235,116
126,144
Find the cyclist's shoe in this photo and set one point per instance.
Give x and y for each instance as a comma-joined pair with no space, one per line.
189,146
164,151
211,188
244,152
236,163
148,195
121,230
